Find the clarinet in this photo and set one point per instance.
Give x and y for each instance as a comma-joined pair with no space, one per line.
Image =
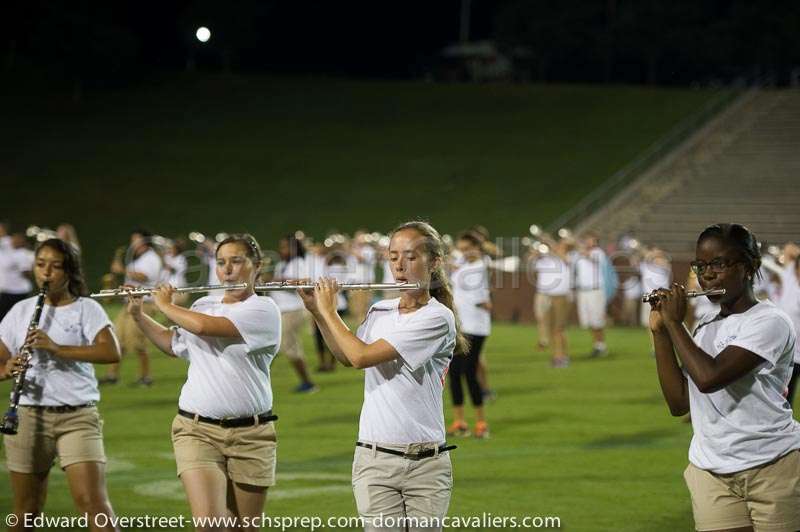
11,419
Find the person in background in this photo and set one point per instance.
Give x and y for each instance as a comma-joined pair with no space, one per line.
472,300
16,264
68,234
175,267
292,266
365,257
789,302
589,262
553,297
144,268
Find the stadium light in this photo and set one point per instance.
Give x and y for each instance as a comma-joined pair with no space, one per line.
203,34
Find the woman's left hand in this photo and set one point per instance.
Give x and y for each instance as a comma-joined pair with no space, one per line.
673,304
325,295
162,296
39,340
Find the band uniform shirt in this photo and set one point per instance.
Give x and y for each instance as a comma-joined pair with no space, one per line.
749,422
230,377
52,380
289,301
470,288
403,397
14,263
553,276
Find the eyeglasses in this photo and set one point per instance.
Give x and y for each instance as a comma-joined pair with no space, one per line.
716,265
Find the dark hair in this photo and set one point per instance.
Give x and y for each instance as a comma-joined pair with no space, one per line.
440,285
248,241
296,247
72,265
472,237
740,238
142,231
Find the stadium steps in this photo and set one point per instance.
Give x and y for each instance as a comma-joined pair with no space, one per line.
742,166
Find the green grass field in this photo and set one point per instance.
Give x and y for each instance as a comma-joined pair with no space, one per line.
271,155
592,444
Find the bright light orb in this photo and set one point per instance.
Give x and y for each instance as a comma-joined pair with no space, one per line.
203,34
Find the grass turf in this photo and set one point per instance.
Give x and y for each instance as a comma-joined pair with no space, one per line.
592,444
271,155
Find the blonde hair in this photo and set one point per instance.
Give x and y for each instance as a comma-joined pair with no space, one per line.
440,285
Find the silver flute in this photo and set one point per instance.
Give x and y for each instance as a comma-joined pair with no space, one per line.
653,296
286,285
139,292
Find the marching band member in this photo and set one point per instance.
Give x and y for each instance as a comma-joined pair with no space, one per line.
223,435
292,266
175,266
588,263
144,269
16,263
744,459
553,297
364,259
401,465
57,414
68,234
789,302
473,304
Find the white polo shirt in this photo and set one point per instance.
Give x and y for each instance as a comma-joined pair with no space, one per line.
148,263
14,263
289,301
403,397
364,271
789,300
52,380
471,288
654,276
176,274
229,377
553,276
749,422
589,269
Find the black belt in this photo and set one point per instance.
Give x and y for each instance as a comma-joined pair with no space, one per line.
59,409
232,422
411,456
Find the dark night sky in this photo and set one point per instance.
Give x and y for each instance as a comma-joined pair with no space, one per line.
344,37
620,41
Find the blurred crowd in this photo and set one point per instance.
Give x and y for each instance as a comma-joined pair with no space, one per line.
576,278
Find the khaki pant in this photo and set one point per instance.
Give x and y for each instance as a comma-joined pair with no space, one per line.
766,497
73,437
552,314
130,337
246,455
291,324
388,488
